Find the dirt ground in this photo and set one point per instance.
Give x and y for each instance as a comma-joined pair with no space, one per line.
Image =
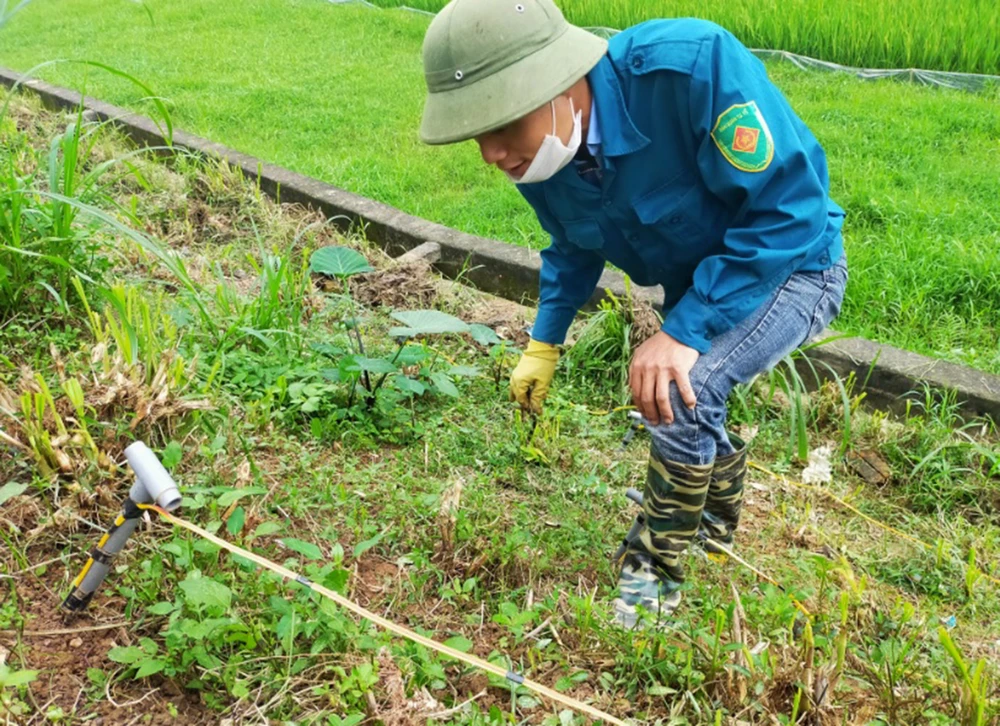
63,646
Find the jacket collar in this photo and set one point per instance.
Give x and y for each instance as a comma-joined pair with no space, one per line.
593,130
619,136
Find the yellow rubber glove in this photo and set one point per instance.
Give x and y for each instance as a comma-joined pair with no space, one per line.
529,383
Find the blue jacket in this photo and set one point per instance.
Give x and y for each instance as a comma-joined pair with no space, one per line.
710,186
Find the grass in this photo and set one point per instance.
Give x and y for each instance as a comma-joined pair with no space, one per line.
961,36
914,167
445,513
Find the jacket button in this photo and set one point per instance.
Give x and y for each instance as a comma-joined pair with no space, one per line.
676,219
637,61
825,259
607,202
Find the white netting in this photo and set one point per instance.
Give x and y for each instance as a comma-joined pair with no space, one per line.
974,82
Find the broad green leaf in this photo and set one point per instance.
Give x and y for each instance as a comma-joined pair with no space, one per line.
328,349
149,667
339,262
444,384
203,545
207,592
161,608
459,643
203,629
235,522
427,322
172,455
266,528
403,383
332,374
411,355
10,490
243,562
348,367
337,580
9,678
306,549
483,335
234,495
567,682
127,655
463,371
284,627
361,547
373,365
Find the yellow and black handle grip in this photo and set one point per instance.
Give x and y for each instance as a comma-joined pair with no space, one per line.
99,562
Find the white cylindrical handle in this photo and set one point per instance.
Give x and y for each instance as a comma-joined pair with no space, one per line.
154,482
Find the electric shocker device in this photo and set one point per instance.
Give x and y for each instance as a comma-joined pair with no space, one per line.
155,489
153,485
635,426
636,496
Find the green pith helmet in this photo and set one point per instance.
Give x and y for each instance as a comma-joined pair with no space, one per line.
490,62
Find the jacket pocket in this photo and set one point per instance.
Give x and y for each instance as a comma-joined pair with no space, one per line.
584,233
676,210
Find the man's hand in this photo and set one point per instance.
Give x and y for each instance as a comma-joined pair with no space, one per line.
657,362
529,383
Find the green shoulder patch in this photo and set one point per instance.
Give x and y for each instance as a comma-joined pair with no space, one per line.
743,137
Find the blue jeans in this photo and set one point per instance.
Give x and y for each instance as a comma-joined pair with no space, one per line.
797,311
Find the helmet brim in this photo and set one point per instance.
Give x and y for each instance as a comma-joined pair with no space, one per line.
496,100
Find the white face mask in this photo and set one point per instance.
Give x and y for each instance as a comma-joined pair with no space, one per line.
553,154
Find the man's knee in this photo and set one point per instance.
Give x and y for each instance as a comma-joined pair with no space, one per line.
691,437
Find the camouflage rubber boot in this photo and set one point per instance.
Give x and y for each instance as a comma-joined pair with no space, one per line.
651,573
725,498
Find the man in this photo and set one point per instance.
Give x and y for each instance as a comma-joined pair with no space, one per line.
669,153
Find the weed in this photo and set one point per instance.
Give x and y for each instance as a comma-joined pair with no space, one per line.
603,349
973,684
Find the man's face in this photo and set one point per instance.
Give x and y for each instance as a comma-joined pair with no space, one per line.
513,147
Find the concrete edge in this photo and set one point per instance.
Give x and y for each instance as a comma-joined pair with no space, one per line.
511,272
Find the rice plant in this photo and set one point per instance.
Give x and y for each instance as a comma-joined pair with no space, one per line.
958,36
